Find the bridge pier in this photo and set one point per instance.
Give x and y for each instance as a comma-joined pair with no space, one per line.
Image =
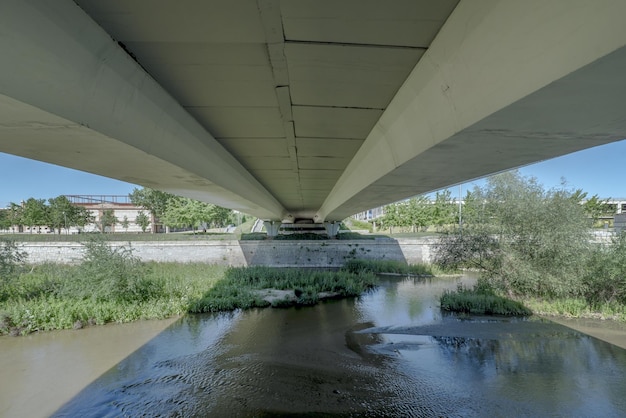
332,228
272,228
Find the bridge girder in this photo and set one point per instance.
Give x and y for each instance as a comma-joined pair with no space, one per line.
308,109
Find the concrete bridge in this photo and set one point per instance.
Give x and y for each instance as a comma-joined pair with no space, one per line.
308,109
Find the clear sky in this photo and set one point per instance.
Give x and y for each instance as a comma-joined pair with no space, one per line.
600,170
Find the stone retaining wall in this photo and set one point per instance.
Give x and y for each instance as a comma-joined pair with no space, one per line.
243,253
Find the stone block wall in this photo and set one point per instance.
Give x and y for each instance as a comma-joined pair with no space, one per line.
241,253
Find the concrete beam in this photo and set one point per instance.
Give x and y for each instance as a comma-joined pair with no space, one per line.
505,83
72,96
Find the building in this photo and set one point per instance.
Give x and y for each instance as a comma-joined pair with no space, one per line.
122,208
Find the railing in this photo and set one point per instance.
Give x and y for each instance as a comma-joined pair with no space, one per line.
99,199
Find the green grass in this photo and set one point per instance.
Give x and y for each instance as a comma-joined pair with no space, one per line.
46,297
357,236
479,301
388,266
354,224
253,236
420,234
235,291
50,296
576,308
482,301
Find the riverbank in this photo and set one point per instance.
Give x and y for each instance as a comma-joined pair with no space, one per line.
112,285
613,332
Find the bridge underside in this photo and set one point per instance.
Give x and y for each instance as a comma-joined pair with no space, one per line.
308,109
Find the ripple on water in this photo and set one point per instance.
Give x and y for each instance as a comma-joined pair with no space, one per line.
386,354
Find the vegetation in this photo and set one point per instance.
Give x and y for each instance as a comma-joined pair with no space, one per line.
179,212
57,213
419,212
236,290
142,220
113,285
155,201
387,266
576,308
481,301
354,224
345,236
107,220
529,243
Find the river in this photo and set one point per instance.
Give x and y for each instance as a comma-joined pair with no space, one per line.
389,353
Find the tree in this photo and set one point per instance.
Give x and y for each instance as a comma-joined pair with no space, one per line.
107,219
81,217
183,212
15,213
5,220
391,217
142,220
595,208
418,212
35,213
444,209
219,216
125,223
532,241
61,213
155,201
473,210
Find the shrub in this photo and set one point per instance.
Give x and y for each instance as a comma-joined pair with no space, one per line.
527,241
11,259
112,273
605,280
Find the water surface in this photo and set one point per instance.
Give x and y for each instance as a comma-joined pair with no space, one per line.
388,353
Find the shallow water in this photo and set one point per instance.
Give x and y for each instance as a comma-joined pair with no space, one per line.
388,353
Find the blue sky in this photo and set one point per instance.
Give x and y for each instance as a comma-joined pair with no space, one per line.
600,170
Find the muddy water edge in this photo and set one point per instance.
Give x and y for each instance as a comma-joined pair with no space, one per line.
389,352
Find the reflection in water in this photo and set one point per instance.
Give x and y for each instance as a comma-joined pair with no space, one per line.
388,353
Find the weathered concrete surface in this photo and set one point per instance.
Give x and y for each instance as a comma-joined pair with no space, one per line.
308,109
244,253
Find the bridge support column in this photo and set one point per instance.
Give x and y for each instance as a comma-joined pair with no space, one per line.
332,228
272,227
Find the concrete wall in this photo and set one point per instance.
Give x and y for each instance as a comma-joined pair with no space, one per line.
242,253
